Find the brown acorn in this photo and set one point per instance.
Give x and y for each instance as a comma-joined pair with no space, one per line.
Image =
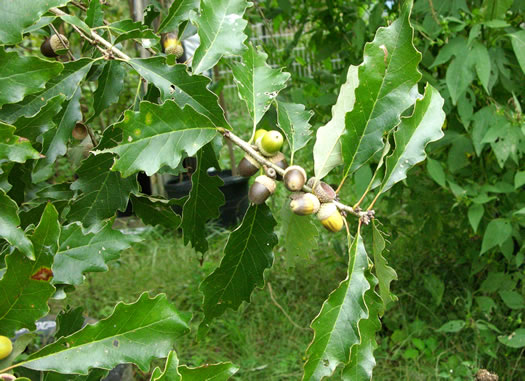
261,189
79,131
51,45
248,166
294,178
323,191
171,45
330,217
279,160
304,203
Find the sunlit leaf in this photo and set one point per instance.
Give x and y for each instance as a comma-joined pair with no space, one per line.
208,372
293,120
518,44
179,11
384,272
13,147
10,226
170,372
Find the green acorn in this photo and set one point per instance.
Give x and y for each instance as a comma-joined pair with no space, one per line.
330,217
259,134
294,178
171,45
261,189
270,143
53,44
304,203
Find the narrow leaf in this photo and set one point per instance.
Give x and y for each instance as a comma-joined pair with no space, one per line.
159,135
293,120
518,44
211,372
80,253
179,11
299,235
247,254
152,323
412,136
385,273
21,75
475,213
204,202
257,83
336,327
327,147
221,33
110,85
482,63
10,226
25,286
170,372
174,82
387,87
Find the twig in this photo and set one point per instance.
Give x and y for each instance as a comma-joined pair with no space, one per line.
433,11
282,309
64,43
364,215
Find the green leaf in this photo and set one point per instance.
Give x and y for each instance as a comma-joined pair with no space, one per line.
156,211
387,87
33,127
20,76
221,29
452,326
436,172
25,286
159,135
257,83
42,22
13,147
74,20
10,226
475,213
293,120
18,15
151,323
384,272
519,179
130,29
19,347
69,321
174,82
66,83
299,235
495,9
515,340
103,191
179,11
80,253
497,232
512,299
459,76
412,136
327,147
212,372
170,372
362,361
482,63
95,14
55,142
204,202
110,85
336,327
518,44
246,255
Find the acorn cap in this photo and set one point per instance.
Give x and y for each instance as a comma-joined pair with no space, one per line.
304,204
330,217
323,191
171,44
261,189
248,166
79,131
294,178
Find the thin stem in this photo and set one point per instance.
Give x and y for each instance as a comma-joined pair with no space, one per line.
341,183
64,43
367,189
282,309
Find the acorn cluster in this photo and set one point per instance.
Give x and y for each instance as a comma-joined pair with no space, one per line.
320,201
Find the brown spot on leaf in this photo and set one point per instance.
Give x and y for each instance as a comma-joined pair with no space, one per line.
44,273
116,343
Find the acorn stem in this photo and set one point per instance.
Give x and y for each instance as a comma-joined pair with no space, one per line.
365,216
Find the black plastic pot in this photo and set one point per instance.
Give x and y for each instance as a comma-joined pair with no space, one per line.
235,190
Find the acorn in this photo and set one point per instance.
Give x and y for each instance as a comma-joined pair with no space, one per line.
323,191
171,45
294,178
261,189
330,217
79,131
53,44
248,166
279,160
304,203
259,134
270,143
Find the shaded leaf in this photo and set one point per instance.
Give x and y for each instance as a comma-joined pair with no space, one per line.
475,213
129,29
69,321
18,15
156,211
13,147
514,340
257,83
482,63
174,82
327,147
153,323
10,226
512,299
22,75
384,272
95,14
293,120
336,327
436,172
33,127
66,84
209,372
80,253
412,136
518,44
159,135
452,326
179,11
220,27
387,87
25,286
497,232
110,85
246,255
204,202
170,372
459,76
